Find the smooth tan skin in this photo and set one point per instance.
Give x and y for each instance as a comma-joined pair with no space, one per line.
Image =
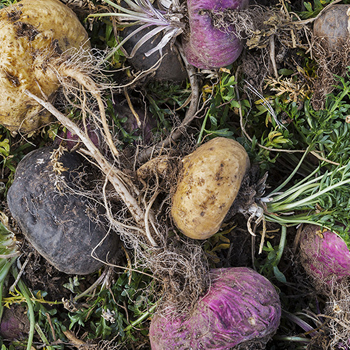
212,176
332,27
33,36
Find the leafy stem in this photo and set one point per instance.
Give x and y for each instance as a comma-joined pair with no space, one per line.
5,268
26,293
143,13
320,199
288,203
141,318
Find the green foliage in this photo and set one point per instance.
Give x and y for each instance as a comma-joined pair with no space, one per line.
72,284
104,314
267,137
312,9
322,198
124,136
4,347
222,114
10,155
8,249
111,311
49,318
269,268
165,100
326,131
102,36
5,3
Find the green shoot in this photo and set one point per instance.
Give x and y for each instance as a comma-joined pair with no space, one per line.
26,293
313,11
223,102
142,12
8,255
322,198
274,255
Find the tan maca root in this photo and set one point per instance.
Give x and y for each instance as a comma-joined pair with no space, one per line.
32,33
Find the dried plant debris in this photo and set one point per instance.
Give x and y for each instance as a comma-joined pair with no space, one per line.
295,90
331,49
258,24
337,314
330,63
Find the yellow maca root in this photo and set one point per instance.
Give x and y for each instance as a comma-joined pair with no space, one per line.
211,179
33,33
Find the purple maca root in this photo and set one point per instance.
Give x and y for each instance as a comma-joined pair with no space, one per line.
14,323
324,256
241,306
208,46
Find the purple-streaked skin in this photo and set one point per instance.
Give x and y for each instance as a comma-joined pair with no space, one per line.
241,305
207,47
148,123
71,140
324,255
14,323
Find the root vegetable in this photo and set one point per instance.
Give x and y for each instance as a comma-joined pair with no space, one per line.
326,259
211,179
64,227
14,323
332,26
241,307
207,46
324,256
43,66
167,66
33,33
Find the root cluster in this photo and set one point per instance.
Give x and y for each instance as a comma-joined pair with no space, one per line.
136,208
331,62
337,313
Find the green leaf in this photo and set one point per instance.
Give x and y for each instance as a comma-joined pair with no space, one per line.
223,132
286,72
213,120
308,6
279,275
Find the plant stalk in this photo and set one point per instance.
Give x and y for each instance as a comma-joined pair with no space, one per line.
24,290
108,169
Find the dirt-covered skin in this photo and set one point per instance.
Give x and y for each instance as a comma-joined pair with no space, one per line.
324,256
63,226
211,179
33,32
14,323
332,26
240,306
206,46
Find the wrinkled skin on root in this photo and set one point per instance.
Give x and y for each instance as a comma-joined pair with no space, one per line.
33,33
65,227
207,46
324,256
240,306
